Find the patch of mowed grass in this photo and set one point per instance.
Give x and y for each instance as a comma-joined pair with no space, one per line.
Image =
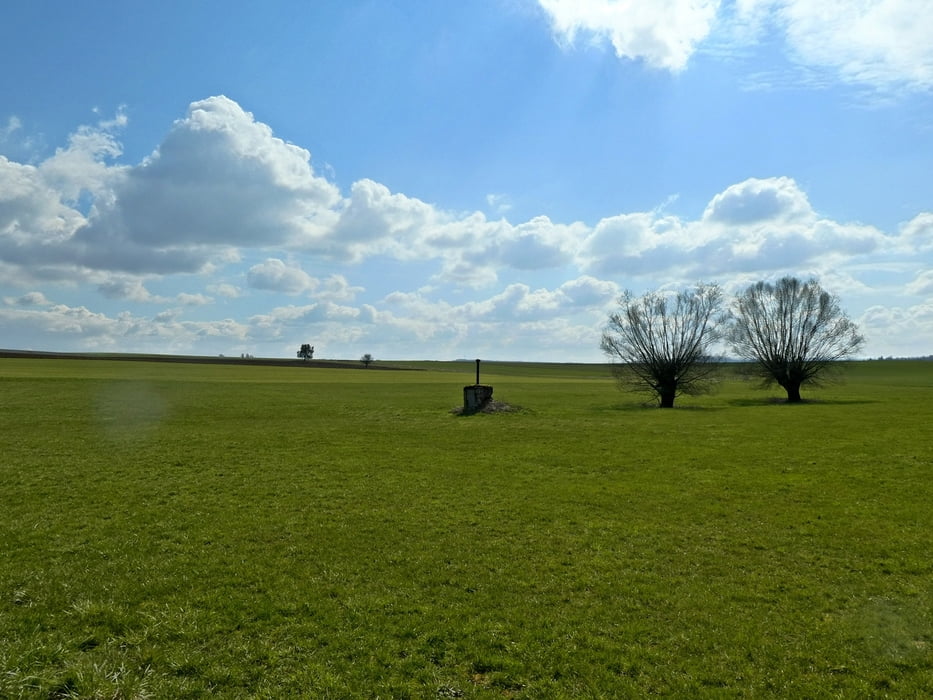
215,531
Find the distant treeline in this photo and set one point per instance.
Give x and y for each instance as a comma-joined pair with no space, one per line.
191,359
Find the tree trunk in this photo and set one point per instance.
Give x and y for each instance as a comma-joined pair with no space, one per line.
667,399
793,393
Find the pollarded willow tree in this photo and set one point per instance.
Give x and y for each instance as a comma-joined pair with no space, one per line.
662,342
793,331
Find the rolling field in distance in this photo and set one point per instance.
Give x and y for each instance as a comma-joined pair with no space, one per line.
199,530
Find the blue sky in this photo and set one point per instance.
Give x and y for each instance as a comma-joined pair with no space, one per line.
445,180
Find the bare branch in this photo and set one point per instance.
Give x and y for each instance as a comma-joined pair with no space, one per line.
793,331
662,341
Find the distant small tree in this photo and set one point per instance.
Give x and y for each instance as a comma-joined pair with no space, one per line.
662,341
793,331
306,352
367,359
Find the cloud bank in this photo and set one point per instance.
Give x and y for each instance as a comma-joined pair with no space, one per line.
883,44
224,210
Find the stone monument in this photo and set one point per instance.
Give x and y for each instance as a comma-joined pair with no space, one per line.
476,396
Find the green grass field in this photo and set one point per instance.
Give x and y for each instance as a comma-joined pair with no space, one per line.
178,531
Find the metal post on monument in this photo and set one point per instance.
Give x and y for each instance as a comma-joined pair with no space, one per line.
476,396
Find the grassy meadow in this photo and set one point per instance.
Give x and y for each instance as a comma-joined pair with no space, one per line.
183,530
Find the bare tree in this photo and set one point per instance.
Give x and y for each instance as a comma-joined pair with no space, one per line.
662,341
793,331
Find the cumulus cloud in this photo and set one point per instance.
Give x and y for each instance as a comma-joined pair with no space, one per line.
275,275
336,288
883,44
278,276
535,322
187,299
32,213
539,244
880,43
588,291
55,325
223,197
127,289
898,330
663,33
83,166
220,179
30,299
754,200
469,247
133,290
227,291
518,303
917,234
922,284
38,214
758,224
377,220
222,183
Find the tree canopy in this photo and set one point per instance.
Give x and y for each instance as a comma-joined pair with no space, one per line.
793,331
662,341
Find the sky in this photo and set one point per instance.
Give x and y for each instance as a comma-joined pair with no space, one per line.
443,180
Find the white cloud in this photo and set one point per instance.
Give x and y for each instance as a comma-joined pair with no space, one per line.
129,289
469,246
58,325
187,299
336,288
538,244
278,276
13,124
82,165
876,42
30,299
275,275
898,331
755,200
219,180
879,43
227,291
756,225
377,220
499,204
132,290
588,291
32,215
922,284
664,33
223,197
917,234
221,183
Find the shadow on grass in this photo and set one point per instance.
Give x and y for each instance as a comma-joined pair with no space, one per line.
488,408
777,401
653,406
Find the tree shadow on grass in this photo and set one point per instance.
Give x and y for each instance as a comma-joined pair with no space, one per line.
653,406
778,401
